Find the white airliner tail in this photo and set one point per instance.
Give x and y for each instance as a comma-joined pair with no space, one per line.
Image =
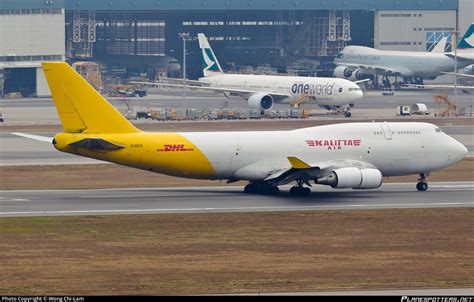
441,46
210,64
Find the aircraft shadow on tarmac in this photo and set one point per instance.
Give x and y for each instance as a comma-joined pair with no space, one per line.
314,197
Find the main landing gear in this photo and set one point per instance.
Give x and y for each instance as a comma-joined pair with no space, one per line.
261,188
268,189
342,110
299,190
422,185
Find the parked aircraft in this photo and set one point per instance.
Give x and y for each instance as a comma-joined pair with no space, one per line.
356,62
262,91
349,155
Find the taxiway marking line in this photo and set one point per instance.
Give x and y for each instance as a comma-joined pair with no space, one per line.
145,196
230,209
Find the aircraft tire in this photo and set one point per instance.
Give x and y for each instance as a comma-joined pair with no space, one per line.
251,188
269,190
422,186
300,191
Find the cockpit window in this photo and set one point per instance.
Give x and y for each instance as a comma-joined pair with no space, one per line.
438,130
339,55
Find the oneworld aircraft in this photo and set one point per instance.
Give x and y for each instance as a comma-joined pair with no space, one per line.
262,91
356,62
348,155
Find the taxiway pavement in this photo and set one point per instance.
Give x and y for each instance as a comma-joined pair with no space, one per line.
34,111
228,199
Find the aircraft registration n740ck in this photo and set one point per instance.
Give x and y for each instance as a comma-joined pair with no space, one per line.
348,155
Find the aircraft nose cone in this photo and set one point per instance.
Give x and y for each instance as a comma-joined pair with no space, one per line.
357,95
457,150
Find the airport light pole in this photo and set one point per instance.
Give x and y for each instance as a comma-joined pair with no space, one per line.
455,34
184,36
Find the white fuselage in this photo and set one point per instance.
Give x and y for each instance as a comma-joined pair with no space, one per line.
320,91
405,63
393,148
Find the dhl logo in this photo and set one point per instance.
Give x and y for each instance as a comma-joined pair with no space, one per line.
174,148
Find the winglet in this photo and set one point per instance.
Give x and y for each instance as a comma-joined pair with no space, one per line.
297,163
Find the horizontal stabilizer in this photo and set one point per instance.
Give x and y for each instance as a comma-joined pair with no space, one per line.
35,137
96,144
459,57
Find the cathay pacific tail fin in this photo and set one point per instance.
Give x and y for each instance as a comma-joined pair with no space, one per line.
210,64
467,41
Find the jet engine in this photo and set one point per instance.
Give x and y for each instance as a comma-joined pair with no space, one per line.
355,178
261,101
351,75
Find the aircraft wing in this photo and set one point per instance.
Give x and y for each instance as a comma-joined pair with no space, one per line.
301,170
177,80
361,81
372,69
459,74
437,86
232,91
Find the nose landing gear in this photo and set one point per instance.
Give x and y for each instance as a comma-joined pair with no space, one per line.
422,185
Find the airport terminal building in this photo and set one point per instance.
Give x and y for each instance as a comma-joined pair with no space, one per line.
143,35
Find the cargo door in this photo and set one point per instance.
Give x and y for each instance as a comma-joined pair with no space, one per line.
387,133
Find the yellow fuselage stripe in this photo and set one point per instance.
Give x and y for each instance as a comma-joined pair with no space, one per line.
166,153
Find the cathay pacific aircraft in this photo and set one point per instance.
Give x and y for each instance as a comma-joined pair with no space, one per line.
356,62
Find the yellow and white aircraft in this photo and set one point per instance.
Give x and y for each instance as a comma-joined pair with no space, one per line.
354,155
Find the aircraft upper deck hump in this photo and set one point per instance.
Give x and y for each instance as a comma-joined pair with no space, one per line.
467,41
80,107
210,64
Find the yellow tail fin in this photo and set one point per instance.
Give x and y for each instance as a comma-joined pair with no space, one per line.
80,107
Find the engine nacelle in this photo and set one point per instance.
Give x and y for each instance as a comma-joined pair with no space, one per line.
351,75
260,101
354,178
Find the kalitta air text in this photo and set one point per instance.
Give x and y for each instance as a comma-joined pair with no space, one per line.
333,144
